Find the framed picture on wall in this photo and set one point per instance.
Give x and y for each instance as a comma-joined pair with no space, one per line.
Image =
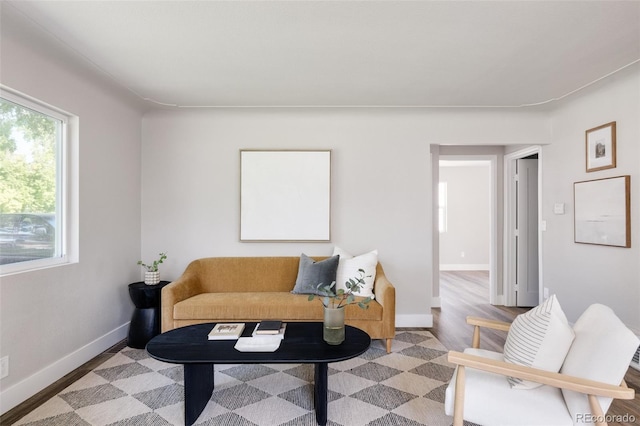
601,147
603,211
285,195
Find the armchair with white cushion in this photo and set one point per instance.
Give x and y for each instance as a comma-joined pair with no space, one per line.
549,374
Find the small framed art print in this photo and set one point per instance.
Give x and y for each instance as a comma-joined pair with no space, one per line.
601,147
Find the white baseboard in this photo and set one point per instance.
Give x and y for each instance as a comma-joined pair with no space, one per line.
25,389
425,320
436,302
464,267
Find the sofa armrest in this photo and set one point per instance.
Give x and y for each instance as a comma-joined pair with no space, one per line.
186,286
386,295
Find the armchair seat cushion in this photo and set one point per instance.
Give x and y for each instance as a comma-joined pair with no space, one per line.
543,405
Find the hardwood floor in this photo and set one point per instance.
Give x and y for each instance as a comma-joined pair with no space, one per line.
18,412
467,293
462,294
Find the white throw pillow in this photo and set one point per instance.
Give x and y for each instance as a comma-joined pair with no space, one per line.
348,268
601,351
539,338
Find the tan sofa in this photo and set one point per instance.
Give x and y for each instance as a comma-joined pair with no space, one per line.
250,289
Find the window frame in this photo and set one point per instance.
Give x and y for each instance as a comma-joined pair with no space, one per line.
65,230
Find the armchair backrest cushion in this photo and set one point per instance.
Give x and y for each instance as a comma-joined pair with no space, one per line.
601,351
539,338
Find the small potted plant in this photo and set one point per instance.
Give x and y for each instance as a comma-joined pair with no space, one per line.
334,302
151,274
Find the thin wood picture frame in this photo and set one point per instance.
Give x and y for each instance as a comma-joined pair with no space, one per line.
285,195
600,145
602,211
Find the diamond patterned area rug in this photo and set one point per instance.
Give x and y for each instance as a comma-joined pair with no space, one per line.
405,387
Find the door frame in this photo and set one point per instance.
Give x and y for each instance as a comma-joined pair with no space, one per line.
509,226
494,297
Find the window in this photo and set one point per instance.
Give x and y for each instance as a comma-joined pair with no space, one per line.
32,212
442,207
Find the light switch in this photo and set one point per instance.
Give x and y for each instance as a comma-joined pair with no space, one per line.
558,208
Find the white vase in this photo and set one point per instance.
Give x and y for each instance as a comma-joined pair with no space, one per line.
151,278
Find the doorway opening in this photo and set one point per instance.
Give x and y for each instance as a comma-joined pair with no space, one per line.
464,224
466,220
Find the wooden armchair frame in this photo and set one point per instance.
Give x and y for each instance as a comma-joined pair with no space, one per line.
487,323
591,388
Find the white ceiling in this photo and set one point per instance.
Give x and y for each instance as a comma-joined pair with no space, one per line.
347,53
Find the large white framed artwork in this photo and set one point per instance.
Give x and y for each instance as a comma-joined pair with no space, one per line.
603,211
285,195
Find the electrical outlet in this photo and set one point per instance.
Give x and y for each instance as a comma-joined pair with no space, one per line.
4,367
546,292
461,254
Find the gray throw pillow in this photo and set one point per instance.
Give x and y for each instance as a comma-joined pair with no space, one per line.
312,273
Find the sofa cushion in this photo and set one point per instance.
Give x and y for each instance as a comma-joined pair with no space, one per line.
251,306
254,274
348,268
539,338
535,407
601,351
311,273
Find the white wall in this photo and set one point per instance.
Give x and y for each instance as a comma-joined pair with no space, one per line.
55,319
381,181
468,217
583,274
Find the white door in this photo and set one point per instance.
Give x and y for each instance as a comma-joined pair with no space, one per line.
526,221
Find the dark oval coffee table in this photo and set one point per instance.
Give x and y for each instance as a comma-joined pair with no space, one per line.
302,344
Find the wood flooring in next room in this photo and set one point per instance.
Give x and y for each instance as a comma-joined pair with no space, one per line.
466,293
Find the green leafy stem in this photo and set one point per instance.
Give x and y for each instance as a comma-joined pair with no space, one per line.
153,267
332,298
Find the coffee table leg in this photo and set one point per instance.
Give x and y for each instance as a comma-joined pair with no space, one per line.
198,386
320,392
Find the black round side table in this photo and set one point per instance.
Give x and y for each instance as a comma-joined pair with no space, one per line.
145,322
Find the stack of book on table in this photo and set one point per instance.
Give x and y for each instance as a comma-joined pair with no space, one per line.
270,328
266,337
226,331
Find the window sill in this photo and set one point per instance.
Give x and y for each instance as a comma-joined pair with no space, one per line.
33,265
